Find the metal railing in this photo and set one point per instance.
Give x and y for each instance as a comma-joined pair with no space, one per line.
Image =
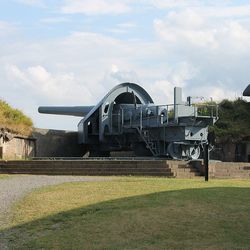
157,116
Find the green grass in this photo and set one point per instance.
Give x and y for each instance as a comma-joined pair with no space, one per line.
4,176
14,120
134,213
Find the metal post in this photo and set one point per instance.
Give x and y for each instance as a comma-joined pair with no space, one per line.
111,122
206,160
164,139
119,121
158,117
167,114
122,121
141,120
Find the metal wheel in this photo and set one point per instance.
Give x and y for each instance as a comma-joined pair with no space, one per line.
175,151
194,152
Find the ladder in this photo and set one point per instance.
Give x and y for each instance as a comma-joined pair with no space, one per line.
151,143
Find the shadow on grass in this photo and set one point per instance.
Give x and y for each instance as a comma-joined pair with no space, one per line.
214,218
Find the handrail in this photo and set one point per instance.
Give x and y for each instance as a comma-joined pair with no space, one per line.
156,115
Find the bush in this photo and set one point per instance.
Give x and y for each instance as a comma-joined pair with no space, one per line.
234,120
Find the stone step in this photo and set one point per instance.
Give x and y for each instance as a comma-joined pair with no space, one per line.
217,170
144,162
102,173
160,170
101,167
230,175
84,166
186,176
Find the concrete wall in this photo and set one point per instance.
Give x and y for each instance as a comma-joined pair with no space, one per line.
17,148
240,170
43,143
57,143
231,152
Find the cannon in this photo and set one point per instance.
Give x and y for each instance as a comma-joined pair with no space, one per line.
127,119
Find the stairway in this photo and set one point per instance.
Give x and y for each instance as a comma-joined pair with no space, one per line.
183,170
88,167
127,167
151,143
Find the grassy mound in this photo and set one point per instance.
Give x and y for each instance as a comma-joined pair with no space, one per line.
234,120
14,120
134,213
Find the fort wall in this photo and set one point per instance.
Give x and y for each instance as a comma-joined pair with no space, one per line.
57,143
42,143
17,147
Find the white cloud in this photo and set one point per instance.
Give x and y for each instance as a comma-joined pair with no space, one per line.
235,37
215,93
163,4
75,76
90,65
94,7
63,87
187,26
162,92
122,28
222,8
123,75
94,63
190,28
225,11
178,76
35,3
217,48
13,72
183,72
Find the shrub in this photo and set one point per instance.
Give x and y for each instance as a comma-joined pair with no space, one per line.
234,120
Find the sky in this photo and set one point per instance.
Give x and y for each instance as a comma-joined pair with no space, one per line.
72,52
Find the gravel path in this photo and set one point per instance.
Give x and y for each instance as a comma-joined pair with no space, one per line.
14,188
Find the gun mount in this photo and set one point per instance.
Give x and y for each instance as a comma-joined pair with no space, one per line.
127,119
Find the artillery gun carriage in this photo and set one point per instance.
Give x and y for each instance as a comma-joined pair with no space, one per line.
127,119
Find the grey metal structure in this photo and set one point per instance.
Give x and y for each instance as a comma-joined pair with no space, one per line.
247,91
127,119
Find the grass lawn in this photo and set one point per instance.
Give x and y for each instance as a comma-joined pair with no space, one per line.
134,213
3,176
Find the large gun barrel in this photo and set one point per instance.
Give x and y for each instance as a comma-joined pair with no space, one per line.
73,111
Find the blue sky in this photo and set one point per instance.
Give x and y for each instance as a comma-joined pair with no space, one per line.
71,52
